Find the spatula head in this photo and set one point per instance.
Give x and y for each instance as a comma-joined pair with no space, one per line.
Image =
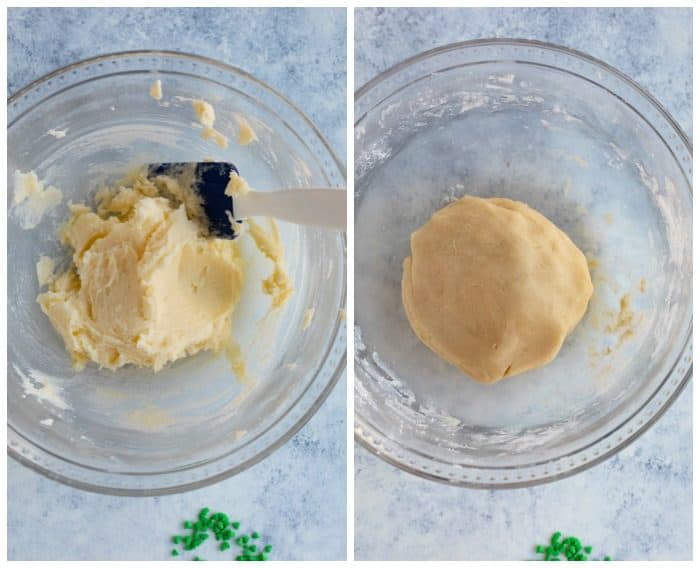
210,181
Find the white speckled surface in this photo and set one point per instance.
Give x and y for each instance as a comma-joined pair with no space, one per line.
635,506
297,496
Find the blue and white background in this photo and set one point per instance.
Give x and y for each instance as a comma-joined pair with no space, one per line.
297,496
638,504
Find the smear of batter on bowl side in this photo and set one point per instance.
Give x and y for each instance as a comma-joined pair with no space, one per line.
206,116
308,318
623,321
149,418
278,284
58,133
156,90
41,387
44,270
246,134
620,322
33,199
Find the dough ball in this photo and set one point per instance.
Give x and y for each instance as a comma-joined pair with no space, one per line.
494,287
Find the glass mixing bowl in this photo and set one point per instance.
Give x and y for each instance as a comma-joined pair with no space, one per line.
596,154
133,431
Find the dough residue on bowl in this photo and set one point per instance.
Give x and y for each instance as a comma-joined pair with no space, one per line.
149,418
278,285
206,116
33,199
246,134
156,90
308,318
58,133
44,270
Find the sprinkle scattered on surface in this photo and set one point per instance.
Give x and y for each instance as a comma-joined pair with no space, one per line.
570,548
224,531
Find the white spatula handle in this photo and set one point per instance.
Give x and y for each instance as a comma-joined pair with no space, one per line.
320,207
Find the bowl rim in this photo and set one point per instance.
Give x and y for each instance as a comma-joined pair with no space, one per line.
337,373
552,47
518,42
169,53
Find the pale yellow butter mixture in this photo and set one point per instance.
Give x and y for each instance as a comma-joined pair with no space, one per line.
146,286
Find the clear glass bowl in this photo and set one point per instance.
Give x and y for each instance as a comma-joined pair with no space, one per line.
133,431
595,153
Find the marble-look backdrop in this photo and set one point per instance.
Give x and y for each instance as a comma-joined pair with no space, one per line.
297,496
635,506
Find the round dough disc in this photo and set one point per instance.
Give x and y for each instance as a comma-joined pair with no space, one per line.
494,287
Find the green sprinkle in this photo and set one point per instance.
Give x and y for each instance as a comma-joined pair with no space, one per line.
569,547
224,530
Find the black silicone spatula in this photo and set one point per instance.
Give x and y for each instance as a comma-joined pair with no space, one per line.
321,207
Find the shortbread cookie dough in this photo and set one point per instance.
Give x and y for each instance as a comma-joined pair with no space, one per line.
146,287
147,284
494,287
